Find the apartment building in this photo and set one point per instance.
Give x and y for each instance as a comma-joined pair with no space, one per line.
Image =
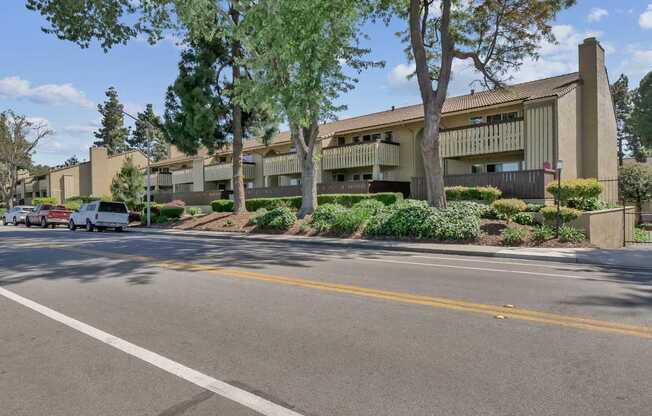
83,179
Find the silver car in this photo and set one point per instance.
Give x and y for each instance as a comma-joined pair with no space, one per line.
16,215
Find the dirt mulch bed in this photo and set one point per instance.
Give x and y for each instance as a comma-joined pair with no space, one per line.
241,223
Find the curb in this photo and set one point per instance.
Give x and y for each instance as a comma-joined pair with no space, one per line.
372,244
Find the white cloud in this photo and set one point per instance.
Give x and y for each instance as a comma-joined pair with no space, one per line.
645,20
596,14
639,64
398,76
51,94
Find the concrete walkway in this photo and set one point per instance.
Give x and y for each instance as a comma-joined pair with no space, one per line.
638,258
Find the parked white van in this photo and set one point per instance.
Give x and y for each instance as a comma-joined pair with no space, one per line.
100,215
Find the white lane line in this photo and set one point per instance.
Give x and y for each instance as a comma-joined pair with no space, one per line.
243,397
514,263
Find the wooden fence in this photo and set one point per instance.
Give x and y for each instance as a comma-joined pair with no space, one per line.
524,184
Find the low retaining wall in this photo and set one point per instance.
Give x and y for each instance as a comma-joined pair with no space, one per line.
607,228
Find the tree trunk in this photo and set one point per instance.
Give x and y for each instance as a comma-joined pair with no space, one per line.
432,165
239,205
305,140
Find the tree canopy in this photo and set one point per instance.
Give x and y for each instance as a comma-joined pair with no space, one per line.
641,117
112,133
128,185
149,130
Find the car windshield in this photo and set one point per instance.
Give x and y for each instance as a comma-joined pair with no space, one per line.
115,207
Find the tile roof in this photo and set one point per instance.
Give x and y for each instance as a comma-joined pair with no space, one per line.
542,88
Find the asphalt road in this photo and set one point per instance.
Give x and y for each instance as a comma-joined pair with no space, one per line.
134,324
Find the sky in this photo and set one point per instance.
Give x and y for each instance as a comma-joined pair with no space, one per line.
55,82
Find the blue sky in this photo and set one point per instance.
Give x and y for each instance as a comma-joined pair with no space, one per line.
57,82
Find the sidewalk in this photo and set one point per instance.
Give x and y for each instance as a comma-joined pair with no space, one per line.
627,257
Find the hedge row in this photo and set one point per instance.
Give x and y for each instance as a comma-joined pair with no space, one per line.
347,200
476,193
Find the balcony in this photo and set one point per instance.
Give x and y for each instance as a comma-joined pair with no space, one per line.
360,155
282,164
182,176
482,139
160,179
224,171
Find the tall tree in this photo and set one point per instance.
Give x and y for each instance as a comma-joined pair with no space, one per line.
622,104
641,118
149,132
494,35
114,22
128,185
18,138
112,134
635,184
298,50
72,160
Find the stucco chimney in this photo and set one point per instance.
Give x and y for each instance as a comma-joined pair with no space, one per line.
597,114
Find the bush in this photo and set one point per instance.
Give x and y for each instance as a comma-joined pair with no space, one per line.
280,218
534,207
44,200
542,233
349,222
255,204
470,208
513,236
480,193
416,219
524,218
194,211
134,216
570,235
348,200
171,211
370,206
588,204
509,207
641,235
567,214
325,215
222,205
578,189
160,219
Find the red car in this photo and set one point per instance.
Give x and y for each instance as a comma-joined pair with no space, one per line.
46,214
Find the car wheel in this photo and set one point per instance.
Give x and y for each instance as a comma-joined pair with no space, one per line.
89,226
72,226
4,221
44,223
27,223
15,222
118,229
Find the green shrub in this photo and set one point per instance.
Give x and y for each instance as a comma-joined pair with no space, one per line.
348,200
194,211
171,211
470,208
513,236
72,205
480,193
524,218
578,189
416,219
222,205
542,233
255,204
570,235
567,214
280,218
370,206
534,207
586,204
324,215
641,235
44,200
509,207
350,221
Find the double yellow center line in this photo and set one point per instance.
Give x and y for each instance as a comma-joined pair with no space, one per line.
434,302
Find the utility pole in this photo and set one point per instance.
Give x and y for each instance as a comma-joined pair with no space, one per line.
148,154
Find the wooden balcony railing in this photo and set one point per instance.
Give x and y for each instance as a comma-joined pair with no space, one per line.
161,179
361,154
182,176
224,171
482,139
281,165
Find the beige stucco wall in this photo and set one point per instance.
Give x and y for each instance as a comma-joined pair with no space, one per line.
599,154
65,183
569,124
605,228
539,134
105,167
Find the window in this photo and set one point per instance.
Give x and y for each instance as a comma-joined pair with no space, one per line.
113,207
367,176
295,181
375,137
494,118
341,141
497,118
389,136
222,159
248,158
476,169
338,177
221,187
366,138
356,177
356,139
504,167
510,116
476,120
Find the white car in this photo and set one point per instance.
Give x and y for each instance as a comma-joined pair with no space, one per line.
100,215
16,215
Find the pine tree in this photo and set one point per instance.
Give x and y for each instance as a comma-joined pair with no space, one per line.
128,185
148,128
112,134
622,104
641,118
